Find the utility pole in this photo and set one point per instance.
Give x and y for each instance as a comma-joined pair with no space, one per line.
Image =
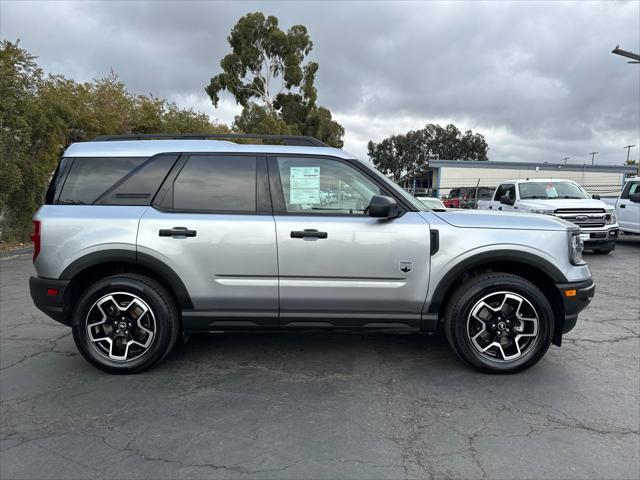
593,154
565,159
628,147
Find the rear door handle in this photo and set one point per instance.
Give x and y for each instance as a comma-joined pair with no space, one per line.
309,233
177,232
623,205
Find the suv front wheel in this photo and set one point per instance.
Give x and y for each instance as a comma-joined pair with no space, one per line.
125,323
499,323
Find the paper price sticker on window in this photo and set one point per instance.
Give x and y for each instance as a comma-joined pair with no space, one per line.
304,185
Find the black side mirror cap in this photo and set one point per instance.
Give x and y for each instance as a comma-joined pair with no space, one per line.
383,207
595,197
635,197
505,200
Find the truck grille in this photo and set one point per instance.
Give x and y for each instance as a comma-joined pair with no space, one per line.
584,218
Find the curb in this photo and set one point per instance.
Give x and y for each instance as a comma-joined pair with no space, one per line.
15,252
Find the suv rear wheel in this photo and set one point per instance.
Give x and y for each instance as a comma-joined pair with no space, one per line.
499,323
125,323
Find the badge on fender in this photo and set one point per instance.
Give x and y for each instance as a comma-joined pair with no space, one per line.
406,267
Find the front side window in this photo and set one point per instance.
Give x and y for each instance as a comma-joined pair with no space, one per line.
216,183
500,191
314,185
630,188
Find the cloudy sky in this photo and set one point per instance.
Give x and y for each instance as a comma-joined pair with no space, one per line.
536,78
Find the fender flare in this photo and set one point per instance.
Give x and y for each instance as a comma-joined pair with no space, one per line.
487,258
137,258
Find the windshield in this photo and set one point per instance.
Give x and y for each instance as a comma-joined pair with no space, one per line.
551,190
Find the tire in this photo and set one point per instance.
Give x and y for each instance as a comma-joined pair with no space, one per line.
476,298
603,251
125,323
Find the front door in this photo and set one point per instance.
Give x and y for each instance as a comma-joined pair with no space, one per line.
338,267
628,211
213,226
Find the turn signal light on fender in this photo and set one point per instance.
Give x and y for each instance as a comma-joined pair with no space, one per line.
570,293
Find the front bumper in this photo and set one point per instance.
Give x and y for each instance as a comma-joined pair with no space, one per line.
48,295
575,296
600,237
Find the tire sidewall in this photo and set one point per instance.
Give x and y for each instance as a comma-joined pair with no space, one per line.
472,295
150,296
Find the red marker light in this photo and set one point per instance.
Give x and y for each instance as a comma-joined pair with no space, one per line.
52,292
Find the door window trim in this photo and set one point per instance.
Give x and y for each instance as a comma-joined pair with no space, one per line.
277,192
162,200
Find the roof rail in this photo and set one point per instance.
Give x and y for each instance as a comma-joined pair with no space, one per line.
290,140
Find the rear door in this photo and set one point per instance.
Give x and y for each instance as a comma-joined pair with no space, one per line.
211,222
629,212
338,267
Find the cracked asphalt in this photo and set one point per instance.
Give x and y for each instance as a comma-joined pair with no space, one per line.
324,405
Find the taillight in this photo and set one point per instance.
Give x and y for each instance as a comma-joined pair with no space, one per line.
35,238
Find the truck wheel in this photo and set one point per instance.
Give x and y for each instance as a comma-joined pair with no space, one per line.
604,251
499,323
125,323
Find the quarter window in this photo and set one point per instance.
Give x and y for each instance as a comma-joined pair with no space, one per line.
89,178
324,186
216,183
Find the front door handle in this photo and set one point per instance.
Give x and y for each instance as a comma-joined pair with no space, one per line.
623,205
177,232
309,233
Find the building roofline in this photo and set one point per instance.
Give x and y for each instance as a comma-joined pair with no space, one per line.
532,166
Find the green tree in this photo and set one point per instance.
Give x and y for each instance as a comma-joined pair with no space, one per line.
41,116
266,74
399,154
19,78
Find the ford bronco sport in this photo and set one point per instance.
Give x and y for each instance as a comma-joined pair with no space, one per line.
144,239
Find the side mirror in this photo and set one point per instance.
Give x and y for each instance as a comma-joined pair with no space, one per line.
635,197
595,197
505,200
383,207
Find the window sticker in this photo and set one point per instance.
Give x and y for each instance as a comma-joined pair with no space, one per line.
304,185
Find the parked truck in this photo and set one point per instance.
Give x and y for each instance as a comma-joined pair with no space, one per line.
628,207
564,199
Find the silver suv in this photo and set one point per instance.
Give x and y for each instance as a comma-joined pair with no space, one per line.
144,239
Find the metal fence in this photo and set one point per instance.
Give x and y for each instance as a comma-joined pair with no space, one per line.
466,195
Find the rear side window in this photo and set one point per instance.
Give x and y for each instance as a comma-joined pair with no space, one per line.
89,178
216,183
140,185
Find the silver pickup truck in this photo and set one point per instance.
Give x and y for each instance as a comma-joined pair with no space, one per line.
563,199
145,239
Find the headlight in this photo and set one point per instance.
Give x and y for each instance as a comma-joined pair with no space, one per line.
543,212
576,245
611,217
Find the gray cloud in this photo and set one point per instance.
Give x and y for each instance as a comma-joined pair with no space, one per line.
536,78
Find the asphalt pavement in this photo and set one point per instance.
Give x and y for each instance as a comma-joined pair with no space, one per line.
324,405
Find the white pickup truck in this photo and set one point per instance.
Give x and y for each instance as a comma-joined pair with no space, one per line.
564,199
627,206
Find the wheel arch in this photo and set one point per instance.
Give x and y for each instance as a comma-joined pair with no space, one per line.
539,271
86,270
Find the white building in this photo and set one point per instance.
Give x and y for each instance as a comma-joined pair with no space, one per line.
440,176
